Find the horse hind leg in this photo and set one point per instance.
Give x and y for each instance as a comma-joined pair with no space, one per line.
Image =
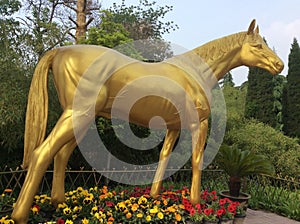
60,164
40,160
170,139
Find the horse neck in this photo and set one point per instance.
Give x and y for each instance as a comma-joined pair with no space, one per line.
221,55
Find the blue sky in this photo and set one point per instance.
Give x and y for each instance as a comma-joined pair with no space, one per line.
202,21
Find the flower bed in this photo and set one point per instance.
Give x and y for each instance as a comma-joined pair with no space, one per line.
101,205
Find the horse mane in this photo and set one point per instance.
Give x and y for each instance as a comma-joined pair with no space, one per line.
217,48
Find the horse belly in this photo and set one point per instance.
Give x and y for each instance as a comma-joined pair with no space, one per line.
143,110
150,108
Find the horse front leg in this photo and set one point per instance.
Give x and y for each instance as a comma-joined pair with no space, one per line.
168,145
40,160
198,142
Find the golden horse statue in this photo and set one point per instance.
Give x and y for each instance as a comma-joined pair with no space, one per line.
69,64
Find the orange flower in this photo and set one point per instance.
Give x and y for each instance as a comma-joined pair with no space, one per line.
128,215
111,219
104,190
178,217
102,196
157,202
171,209
8,190
165,202
134,207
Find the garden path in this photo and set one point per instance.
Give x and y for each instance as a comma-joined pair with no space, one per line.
264,217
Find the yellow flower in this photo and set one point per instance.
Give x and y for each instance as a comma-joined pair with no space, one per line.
87,201
110,194
62,205
148,218
142,200
3,218
85,221
79,189
109,213
74,198
94,209
67,211
69,221
9,221
97,215
154,210
160,215
77,209
35,210
74,216
121,206
139,215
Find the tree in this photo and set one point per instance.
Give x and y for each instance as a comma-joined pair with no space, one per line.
260,99
14,83
278,93
83,10
144,24
45,25
143,21
291,117
108,33
227,80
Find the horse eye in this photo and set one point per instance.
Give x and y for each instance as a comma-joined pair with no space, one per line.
259,46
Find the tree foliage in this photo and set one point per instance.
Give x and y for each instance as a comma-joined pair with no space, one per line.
291,116
252,135
46,28
143,21
260,98
108,33
14,81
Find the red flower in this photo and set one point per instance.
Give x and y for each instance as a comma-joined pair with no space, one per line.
220,212
192,211
222,201
208,211
231,208
60,221
198,207
109,203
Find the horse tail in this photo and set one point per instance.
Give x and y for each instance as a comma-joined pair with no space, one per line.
37,107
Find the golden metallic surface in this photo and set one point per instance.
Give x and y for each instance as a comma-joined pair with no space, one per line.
68,65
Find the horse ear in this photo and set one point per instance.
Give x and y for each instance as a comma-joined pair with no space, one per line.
257,30
251,27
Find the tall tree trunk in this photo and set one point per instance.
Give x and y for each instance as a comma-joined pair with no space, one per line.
81,25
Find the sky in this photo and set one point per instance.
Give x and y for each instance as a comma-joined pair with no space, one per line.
202,21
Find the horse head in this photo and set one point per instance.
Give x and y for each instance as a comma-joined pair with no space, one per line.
256,53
